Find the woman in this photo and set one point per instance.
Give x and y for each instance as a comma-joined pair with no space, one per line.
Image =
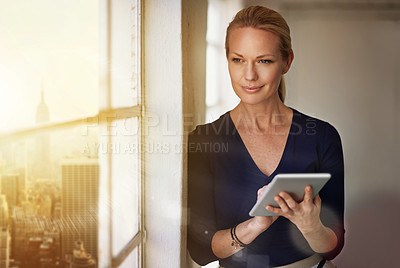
232,159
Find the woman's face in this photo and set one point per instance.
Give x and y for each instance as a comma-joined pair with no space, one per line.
255,64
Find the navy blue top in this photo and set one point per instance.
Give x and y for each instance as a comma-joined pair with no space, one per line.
223,184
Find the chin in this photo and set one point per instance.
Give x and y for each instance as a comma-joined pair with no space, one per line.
253,103
253,99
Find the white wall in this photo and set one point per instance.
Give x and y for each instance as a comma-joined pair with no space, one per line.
346,71
174,85
163,100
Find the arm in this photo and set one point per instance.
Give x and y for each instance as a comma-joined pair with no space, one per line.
205,242
332,195
201,208
246,232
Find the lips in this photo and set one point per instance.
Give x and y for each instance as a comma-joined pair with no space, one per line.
251,89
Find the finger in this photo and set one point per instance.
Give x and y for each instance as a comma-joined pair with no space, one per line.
317,201
259,192
262,189
282,204
291,203
308,194
274,210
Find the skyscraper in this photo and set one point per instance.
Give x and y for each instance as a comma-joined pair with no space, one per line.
4,247
4,233
42,143
3,211
42,112
9,186
79,204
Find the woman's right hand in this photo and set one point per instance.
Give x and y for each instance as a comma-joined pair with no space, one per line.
264,221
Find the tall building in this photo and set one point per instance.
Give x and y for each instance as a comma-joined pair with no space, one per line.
19,233
42,112
9,186
41,158
79,204
4,247
21,185
5,238
4,220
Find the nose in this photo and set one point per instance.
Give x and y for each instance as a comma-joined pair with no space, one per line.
250,72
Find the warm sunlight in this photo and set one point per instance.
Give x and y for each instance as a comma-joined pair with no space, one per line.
51,46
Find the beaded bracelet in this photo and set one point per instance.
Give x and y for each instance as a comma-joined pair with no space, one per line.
235,240
234,244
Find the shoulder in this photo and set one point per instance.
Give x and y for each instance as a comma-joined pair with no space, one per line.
212,137
210,131
307,125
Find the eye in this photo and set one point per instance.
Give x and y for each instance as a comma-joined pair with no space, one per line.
266,61
237,60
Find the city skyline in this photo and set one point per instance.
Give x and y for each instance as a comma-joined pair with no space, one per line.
61,58
37,201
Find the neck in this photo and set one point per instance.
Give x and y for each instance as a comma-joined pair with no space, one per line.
261,117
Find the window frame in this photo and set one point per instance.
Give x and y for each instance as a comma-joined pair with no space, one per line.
105,117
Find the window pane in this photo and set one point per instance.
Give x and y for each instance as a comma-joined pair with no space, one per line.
124,60
212,76
124,149
131,261
213,18
48,61
49,195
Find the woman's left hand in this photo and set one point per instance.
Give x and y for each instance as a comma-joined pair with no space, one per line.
305,215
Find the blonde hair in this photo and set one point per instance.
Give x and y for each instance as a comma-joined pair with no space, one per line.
263,18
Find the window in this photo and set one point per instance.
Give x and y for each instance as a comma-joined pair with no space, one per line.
219,94
70,132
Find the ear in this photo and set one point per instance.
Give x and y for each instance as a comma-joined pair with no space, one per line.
288,62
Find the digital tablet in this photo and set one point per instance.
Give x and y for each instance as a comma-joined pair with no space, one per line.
293,184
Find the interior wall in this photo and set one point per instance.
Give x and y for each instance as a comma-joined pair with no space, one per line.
346,71
174,50
163,128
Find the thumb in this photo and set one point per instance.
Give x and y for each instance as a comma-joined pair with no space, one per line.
308,194
317,201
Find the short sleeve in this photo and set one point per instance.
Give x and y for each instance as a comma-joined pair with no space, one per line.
332,195
201,208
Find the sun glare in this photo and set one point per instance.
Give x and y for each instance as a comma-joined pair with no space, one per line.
50,48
